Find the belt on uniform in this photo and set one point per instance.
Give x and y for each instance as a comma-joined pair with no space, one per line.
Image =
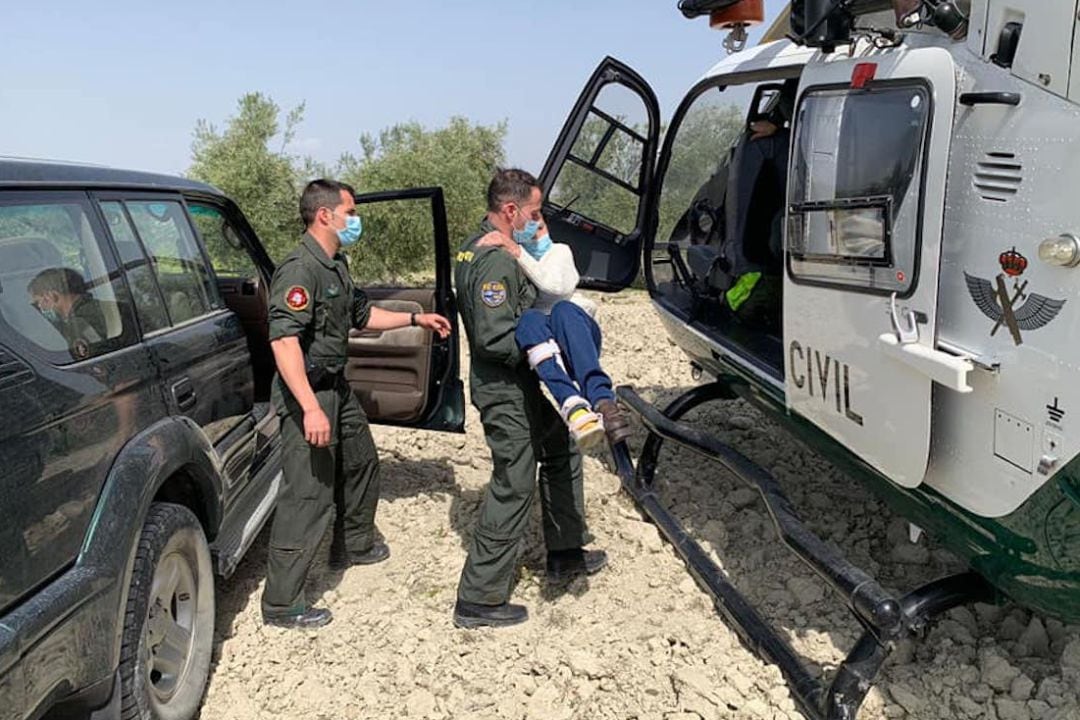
321,378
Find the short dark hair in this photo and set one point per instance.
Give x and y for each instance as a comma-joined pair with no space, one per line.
321,193
510,185
63,280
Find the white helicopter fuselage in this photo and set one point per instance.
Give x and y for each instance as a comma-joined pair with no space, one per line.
940,357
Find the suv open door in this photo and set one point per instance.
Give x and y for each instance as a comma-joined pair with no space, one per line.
408,376
598,178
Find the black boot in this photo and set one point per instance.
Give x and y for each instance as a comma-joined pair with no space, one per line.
566,564
341,560
308,619
473,615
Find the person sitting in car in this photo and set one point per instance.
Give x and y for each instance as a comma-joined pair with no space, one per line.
62,297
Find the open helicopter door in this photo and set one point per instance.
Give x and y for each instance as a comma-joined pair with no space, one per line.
866,196
598,177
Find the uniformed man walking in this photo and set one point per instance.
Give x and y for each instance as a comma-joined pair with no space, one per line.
520,424
326,440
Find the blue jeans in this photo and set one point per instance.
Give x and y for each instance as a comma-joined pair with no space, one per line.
578,337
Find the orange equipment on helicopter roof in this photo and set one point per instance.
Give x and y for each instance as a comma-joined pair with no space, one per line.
746,13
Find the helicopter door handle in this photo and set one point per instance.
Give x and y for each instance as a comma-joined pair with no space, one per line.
990,98
905,323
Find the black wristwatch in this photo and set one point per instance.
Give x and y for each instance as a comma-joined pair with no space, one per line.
412,319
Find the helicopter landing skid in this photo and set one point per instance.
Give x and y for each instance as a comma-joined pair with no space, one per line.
886,619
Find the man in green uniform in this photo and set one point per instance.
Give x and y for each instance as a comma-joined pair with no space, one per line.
520,425
61,295
327,444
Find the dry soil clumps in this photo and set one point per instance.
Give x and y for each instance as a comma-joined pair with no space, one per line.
640,640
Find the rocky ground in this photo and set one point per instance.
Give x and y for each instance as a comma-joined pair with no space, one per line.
639,640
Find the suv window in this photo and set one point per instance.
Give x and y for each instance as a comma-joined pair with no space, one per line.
183,278
149,304
59,285
222,242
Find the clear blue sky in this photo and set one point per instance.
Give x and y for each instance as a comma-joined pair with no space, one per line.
123,82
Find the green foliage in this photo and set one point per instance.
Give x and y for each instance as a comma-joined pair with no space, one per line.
241,163
265,181
398,240
248,161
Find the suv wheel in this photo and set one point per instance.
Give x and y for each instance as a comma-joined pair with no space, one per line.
169,619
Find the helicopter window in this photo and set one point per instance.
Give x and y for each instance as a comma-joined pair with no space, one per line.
855,184
601,178
691,198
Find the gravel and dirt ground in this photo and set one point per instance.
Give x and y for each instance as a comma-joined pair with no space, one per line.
640,640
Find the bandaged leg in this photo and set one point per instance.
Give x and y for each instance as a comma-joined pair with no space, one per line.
534,337
586,426
546,361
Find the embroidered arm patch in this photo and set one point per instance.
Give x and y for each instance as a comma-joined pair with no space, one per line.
493,293
297,298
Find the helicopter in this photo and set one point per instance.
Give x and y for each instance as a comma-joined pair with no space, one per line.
881,259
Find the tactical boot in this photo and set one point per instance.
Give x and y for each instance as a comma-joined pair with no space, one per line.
341,560
474,615
615,423
566,564
308,619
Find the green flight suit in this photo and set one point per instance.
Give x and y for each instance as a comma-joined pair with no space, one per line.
520,425
87,320
313,297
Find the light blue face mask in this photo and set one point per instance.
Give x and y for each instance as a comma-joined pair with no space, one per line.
51,315
538,247
352,230
528,233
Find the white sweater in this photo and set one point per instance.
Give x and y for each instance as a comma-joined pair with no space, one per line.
555,277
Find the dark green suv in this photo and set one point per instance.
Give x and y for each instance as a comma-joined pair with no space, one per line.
139,454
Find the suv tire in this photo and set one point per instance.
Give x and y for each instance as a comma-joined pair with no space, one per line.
169,619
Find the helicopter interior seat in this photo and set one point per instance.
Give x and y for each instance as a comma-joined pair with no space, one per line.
740,224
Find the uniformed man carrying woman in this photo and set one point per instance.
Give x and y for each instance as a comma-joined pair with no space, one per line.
521,427
326,440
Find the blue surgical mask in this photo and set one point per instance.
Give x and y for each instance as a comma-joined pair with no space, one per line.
51,315
528,233
538,247
352,230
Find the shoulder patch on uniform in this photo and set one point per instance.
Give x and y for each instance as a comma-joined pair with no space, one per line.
297,298
493,293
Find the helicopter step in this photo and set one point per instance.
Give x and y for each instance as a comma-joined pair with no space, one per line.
886,618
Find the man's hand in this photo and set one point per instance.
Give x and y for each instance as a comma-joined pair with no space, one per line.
434,322
497,239
762,129
316,427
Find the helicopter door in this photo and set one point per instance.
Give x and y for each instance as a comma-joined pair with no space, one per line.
598,176
865,209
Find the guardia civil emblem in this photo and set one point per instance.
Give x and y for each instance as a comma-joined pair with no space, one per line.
493,293
1014,308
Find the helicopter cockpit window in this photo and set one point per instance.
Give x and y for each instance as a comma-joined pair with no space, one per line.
853,215
601,178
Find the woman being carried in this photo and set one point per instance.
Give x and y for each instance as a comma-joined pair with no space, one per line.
561,338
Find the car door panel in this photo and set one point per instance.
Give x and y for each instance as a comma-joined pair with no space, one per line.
389,370
408,376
